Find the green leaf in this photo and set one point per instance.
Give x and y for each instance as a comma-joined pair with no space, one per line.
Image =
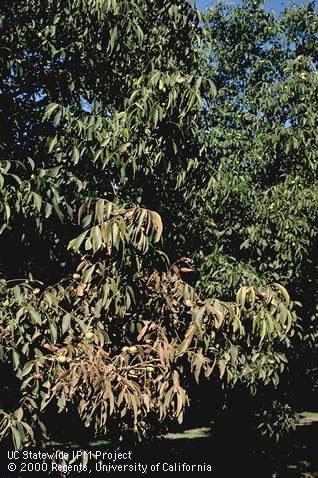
96,237
50,110
113,38
75,155
48,210
87,274
35,316
37,201
283,292
52,143
16,438
66,323
77,242
18,414
27,368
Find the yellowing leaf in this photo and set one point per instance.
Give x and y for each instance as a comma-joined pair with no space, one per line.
156,224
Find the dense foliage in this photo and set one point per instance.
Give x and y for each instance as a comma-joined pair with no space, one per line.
263,136
122,173
262,225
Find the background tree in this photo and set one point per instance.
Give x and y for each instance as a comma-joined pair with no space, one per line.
261,210
103,104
